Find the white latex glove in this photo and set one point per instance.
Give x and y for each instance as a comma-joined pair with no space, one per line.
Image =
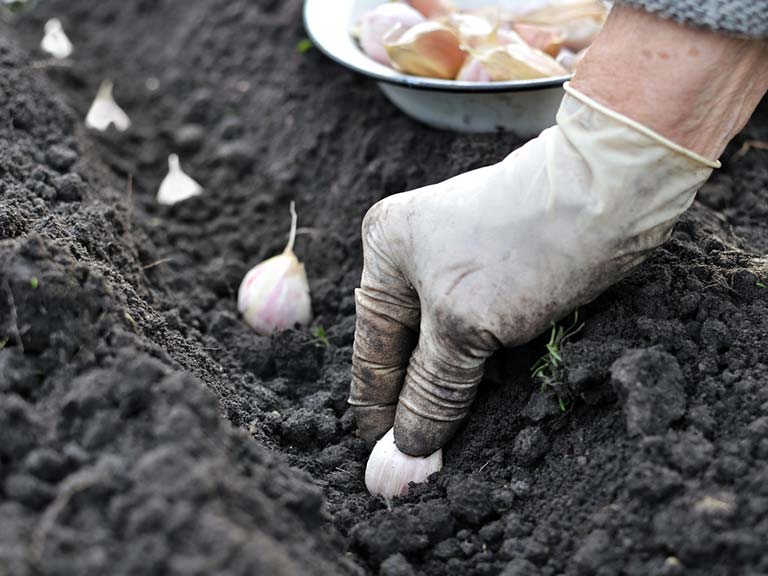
492,257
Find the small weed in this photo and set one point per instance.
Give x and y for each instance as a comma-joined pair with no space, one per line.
761,285
319,335
548,369
4,341
304,46
34,282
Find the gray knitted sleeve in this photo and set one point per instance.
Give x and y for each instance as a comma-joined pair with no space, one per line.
743,17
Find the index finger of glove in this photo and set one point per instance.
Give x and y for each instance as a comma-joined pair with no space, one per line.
385,333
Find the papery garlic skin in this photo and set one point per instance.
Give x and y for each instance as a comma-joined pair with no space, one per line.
375,24
473,31
427,49
55,41
389,471
176,186
274,295
105,111
545,38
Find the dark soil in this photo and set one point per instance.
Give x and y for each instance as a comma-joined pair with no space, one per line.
144,429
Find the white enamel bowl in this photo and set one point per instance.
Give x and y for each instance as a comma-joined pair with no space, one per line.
524,107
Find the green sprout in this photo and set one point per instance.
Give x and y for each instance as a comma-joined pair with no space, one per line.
4,341
304,46
320,337
34,282
548,369
761,285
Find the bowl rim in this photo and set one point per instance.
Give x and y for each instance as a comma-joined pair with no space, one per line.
421,83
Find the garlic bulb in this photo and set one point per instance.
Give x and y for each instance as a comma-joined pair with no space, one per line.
427,49
55,41
105,111
176,186
389,471
375,24
274,295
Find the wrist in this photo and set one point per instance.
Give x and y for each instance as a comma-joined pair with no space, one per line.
693,86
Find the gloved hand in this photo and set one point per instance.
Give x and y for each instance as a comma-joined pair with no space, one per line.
492,257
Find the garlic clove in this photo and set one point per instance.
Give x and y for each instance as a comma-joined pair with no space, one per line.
473,30
473,71
55,41
176,186
427,49
579,21
375,24
569,60
389,471
274,295
548,39
433,8
104,111
519,62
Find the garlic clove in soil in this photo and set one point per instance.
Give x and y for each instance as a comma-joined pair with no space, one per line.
274,295
55,41
105,111
427,49
176,186
389,471
375,24
519,62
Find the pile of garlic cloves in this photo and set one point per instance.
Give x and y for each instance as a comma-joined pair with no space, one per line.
432,38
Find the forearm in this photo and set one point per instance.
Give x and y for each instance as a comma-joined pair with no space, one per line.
694,86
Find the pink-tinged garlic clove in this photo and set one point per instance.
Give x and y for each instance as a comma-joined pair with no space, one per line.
519,62
473,71
389,471
274,295
428,49
578,21
433,8
569,60
548,39
377,23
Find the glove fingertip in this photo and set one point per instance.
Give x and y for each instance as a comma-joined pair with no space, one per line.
419,436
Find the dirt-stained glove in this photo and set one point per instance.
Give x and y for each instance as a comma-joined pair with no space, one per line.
491,258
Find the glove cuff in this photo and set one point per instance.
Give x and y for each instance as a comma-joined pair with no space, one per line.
586,100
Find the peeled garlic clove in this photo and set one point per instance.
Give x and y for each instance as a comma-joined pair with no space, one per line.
389,471
105,111
433,8
545,38
428,49
176,186
375,24
274,295
519,62
55,41
473,71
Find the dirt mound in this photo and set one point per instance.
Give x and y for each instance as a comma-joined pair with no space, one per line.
120,317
